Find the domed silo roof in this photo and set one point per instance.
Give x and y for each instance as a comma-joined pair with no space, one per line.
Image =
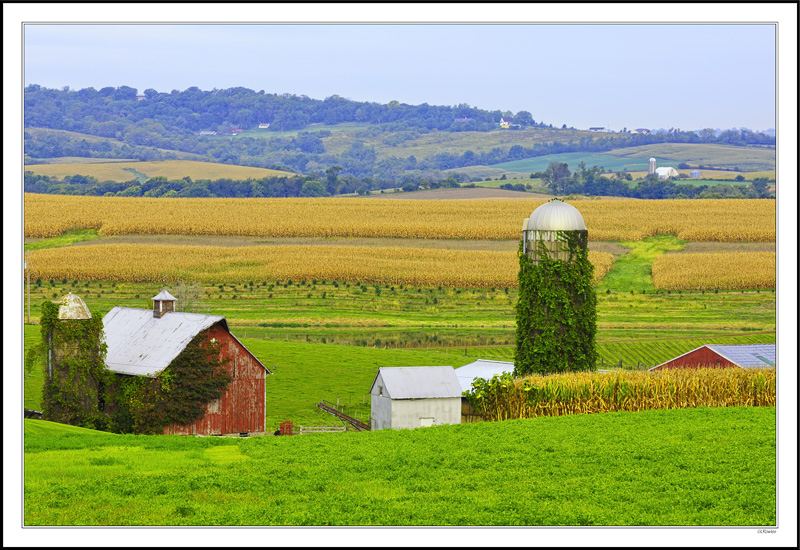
73,307
556,215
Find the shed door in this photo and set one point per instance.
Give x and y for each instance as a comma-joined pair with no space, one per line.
425,422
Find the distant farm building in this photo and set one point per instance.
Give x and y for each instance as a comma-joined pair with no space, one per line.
640,131
461,119
506,122
414,397
263,125
140,97
597,129
144,342
695,174
206,133
664,172
753,356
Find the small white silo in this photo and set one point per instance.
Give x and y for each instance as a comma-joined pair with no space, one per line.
651,169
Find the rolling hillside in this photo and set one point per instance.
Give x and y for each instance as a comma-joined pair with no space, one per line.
171,169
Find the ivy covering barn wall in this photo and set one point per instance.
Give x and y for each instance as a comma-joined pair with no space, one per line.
179,393
556,309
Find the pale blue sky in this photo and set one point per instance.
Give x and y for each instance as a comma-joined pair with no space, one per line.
686,76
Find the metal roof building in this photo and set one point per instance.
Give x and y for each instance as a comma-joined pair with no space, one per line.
412,397
143,345
751,356
144,342
482,368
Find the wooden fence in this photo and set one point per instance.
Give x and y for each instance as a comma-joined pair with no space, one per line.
321,429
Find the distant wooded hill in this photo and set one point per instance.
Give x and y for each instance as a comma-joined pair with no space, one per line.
308,136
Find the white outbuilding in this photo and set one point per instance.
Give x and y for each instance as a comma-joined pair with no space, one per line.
414,397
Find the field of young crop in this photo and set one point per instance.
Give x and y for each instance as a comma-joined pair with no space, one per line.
696,220
170,169
633,355
715,271
207,264
713,466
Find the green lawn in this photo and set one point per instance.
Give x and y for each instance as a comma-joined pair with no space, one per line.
710,467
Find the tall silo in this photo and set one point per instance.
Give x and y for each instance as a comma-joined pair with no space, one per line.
556,308
74,362
651,168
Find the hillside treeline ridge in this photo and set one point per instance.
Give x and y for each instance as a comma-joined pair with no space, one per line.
589,182
165,126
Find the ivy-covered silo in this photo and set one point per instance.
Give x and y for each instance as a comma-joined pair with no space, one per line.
74,360
556,309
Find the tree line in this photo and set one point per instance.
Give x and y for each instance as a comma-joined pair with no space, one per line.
557,178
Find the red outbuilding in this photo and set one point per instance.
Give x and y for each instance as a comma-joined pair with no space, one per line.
751,356
142,342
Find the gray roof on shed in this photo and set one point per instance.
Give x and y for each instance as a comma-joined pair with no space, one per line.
418,382
482,368
750,356
143,345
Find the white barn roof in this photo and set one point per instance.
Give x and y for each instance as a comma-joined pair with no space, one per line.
143,345
482,368
418,382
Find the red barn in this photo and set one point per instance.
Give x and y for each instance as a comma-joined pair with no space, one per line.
753,356
142,342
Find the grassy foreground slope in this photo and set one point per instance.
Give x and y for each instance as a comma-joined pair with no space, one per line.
711,467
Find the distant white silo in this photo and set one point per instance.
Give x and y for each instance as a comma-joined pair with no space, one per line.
651,169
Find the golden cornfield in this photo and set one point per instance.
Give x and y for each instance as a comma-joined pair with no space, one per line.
607,220
213,264
709,271
594,392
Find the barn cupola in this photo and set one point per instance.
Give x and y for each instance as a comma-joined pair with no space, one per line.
163,303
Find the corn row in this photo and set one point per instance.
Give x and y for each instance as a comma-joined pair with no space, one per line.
731,271
378,265
627,219
585,393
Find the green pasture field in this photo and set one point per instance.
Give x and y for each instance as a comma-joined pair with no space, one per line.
714,177
748,159
609,162
313,128
426,145
65,239
636,159
711,467
631,271
171,169
626,355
